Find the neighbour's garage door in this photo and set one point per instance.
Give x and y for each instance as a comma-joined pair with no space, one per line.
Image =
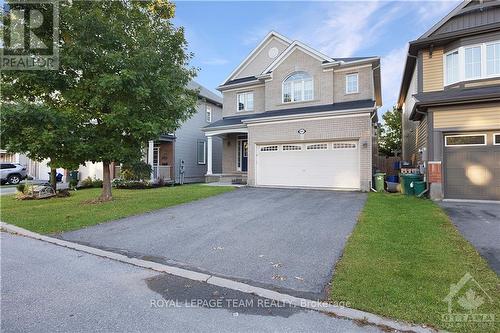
322,164
472,166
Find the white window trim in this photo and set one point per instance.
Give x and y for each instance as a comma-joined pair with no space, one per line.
204,152
208,114
494,135
292,93
245,104
347,86
464,135
461,63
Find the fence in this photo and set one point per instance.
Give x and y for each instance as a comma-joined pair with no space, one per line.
385,164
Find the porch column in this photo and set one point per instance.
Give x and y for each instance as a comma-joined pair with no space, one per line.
209,155
150,157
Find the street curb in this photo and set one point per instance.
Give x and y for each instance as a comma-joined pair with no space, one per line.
339,311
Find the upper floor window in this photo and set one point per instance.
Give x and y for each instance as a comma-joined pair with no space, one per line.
298,87
208,114
245,101
452,69
351,83
493,59
472,62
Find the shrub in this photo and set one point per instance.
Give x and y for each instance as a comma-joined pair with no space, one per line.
73,183
89,182
138,170
97,183
21,187
86,183
130,184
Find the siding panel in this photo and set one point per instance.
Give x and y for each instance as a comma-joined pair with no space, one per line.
433,70
468,117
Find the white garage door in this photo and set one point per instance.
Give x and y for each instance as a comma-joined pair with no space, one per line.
325,164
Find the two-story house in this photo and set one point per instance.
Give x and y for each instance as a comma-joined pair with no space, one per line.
450,102
295,117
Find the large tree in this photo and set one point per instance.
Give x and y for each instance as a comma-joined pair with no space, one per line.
41,132
123,77
389,142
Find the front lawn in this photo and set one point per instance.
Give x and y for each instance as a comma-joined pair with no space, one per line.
401,260
74,212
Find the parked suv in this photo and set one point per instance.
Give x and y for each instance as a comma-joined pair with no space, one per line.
12,173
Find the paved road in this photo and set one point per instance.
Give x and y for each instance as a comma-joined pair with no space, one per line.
47,288
290,239
479,223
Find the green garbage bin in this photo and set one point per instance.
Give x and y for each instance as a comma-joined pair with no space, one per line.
73,175
379,181
408,181
419,187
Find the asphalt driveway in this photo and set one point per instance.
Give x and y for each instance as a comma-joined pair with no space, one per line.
479,223
289,239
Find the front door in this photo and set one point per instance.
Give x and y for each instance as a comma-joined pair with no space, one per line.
243,155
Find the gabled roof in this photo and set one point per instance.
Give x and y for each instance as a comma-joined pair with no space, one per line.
205,93
445,19
271,34
292,47
430,39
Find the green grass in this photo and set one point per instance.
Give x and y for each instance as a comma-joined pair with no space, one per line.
71,213
401,260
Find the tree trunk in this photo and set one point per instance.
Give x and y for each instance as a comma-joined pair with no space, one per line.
53,181
106,182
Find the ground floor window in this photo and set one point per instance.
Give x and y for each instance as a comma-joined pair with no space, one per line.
201,152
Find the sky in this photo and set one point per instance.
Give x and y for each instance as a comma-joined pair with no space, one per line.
221,34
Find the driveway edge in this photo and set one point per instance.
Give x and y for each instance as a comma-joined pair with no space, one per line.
343,312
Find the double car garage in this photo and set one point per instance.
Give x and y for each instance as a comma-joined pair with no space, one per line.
333,164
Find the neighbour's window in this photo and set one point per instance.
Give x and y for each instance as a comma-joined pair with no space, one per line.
496,139
245,101
452,72
351,83
209,114
473,62
298,87
493,59
201,152
465,140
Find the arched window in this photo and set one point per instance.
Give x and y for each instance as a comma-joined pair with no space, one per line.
298,87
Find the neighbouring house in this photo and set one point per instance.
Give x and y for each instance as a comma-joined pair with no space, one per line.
295,117
176,157
450,102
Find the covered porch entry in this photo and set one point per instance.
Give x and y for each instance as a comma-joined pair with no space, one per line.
160,155
235,157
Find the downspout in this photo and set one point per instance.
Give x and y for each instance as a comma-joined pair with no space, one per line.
371,121
426,185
